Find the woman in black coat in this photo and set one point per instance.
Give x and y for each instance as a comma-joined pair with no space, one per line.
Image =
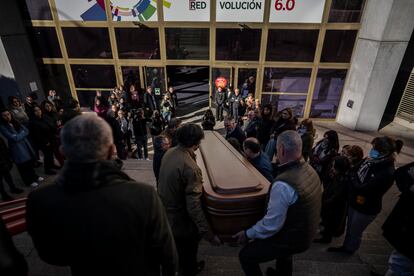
333,211
367,185
42,132
323,154
307,134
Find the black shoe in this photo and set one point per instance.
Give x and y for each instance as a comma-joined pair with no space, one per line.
340,249
16,190
375,274
50,172
7,197
270,271
323,240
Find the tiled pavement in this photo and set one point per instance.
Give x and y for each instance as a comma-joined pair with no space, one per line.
223,260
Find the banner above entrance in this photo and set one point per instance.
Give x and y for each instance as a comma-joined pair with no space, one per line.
296,11
188,10
240,10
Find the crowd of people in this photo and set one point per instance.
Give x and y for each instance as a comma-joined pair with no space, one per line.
99,221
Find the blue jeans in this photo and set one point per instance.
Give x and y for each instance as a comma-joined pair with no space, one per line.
399,265
356,225
167,116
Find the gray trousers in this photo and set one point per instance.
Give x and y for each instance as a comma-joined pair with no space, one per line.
356,225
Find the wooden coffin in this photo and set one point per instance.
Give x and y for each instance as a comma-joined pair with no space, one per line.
234,192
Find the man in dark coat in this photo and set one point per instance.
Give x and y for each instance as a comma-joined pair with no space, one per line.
180,187
96,219
220,101
151,101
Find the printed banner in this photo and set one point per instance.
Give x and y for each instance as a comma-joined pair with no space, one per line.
122,10
240,10
296,11
188,10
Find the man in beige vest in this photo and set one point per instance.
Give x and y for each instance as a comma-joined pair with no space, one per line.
292,216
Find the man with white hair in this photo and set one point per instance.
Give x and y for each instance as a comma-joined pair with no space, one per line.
96,219
292,217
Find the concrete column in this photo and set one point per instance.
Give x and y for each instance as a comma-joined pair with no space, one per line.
19,54
386,29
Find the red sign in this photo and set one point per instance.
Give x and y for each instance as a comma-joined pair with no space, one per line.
221,82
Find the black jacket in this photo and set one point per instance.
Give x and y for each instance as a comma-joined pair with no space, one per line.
220,98
399,226
150,102
98,221
41,131
264,130
366,196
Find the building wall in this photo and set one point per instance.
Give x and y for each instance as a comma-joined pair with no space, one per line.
297,65
19,74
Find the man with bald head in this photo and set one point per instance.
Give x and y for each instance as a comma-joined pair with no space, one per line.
292,216
260,161
96,219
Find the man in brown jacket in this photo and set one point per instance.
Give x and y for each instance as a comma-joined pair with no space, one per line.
180,188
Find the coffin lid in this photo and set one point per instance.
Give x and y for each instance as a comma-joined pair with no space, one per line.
228,171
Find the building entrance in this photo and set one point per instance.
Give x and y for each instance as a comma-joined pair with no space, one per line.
191,85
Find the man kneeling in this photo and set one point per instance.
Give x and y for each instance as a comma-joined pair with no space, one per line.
293,212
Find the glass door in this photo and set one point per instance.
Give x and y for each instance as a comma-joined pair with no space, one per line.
155,77
220,77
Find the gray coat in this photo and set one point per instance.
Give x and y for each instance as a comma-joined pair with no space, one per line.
20,149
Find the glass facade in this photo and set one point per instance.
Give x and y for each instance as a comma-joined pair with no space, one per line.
281,101
94,76
273,61
327,93
236,44
54,77
87,42
338,45
155,77
138,43
46,44
291,45
346,11
130,76
184,43
286,80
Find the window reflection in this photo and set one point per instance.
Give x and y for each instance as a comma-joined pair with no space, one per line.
155,77
87,42
37,9
93,76
187,43
294,80
87,97
136,43
338,45
54,77
346,11
327,93
46,42
295,102
235,44
130,75
291,45
217,73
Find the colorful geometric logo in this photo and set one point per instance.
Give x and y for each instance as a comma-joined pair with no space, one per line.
124,10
